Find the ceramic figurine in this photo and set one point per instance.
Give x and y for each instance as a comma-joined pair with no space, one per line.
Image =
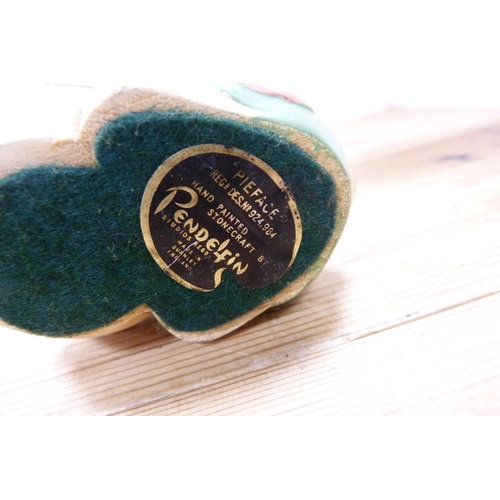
204,209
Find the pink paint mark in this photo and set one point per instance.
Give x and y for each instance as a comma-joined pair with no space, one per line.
262,89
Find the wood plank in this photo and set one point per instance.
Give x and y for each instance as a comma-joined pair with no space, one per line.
396,129
431,366
415,277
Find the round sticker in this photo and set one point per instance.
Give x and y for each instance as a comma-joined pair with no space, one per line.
211,209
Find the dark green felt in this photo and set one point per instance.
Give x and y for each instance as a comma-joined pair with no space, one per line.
72,256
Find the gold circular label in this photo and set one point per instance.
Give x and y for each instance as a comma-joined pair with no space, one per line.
212,208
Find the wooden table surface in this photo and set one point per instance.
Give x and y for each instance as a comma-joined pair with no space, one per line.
404,319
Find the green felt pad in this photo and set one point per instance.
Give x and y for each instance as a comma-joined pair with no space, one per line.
72,255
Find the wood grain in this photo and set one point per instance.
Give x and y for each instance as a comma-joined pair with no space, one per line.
404,319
